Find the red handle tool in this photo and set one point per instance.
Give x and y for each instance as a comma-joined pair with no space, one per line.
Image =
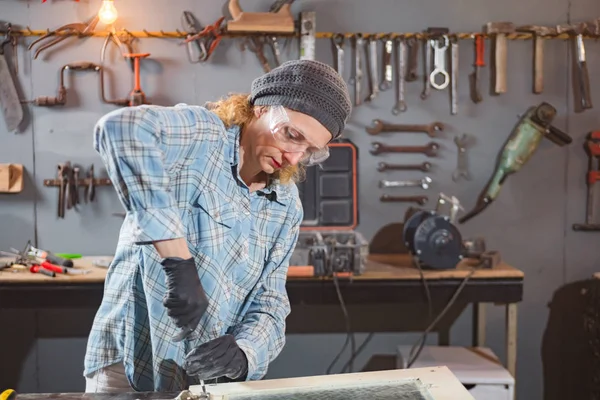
479,51
54,268
37,269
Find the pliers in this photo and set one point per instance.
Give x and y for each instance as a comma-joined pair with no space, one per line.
208,38
78,28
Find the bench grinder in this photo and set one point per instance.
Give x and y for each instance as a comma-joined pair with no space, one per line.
436,243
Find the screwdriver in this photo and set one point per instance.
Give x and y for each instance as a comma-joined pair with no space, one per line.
51,258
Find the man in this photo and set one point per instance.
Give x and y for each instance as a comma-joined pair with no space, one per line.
196,289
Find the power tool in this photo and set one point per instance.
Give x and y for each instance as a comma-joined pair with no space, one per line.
522,143
436,243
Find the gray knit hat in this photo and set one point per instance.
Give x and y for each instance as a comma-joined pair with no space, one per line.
307,86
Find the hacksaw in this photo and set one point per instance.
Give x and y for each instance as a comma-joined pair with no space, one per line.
9,98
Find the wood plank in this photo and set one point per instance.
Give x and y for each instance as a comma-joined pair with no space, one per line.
96,274
398,266
11,178
379,267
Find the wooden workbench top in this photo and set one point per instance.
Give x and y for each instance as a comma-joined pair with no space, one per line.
379,267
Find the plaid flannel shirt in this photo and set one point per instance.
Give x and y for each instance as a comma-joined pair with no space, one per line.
175,172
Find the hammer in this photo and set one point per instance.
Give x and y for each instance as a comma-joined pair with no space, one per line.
581,80
539,32
499,30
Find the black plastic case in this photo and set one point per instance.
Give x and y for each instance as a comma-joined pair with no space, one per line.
328,243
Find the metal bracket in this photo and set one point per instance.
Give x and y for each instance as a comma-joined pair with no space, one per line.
80,182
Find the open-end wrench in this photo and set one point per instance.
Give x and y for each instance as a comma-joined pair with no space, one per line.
439,63
382,166
399,73
386,64
430,149
413,59
357,74
420,200
370,48
423,183
454,70
337,46
379,126
427,50
461,163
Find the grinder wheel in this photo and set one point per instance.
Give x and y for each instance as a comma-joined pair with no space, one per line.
438,243
411,225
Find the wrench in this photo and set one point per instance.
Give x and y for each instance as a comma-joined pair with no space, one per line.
454,87
430,149
420,200
423,183
356,75
461,163
413,57
439,63
337,46
400,69
370,47
380,126
382,166
427,68
386,64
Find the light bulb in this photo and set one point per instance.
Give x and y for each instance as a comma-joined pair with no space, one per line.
108,13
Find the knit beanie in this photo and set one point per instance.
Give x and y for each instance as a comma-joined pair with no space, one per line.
307,86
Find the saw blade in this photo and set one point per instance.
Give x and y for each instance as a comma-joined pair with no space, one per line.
9,98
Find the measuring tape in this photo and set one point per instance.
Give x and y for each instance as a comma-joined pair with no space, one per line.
308,27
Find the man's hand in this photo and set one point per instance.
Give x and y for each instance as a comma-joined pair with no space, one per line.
218,358
185,299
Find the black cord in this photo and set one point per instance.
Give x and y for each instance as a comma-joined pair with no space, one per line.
349,334
421,342
357,352
423,339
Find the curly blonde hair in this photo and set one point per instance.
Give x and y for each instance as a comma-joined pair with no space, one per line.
235,109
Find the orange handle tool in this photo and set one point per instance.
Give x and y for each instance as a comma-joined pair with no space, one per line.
479,51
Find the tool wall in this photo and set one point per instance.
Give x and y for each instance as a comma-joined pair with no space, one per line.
530,221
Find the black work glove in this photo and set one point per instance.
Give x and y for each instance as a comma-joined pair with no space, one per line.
185,299
218,358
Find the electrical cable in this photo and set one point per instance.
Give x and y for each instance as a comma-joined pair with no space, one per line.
358,351
423,339
349,334
421,342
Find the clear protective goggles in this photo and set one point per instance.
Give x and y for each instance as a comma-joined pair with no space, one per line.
291,140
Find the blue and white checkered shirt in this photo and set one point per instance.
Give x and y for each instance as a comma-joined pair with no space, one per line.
175,172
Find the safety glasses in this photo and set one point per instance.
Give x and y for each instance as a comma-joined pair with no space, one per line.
291,139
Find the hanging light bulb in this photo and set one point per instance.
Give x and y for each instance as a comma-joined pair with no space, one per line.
108,13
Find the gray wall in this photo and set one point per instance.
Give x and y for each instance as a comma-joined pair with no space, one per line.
530,223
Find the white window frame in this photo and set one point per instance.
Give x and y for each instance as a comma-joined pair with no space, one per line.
440,381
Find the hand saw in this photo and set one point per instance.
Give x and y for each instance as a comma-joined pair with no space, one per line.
9,98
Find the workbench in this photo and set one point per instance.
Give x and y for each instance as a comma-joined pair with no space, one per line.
388,283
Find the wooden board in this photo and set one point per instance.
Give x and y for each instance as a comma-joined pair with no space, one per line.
399,266
11,178
439,382
96,274
379,267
